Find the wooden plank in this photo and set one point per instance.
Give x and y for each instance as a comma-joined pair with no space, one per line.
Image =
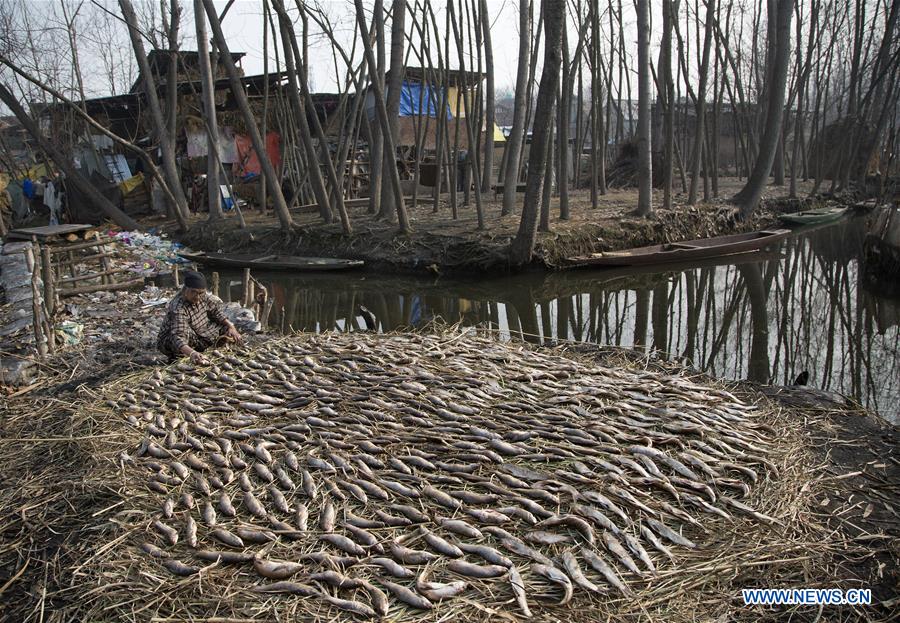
97,275
79,246
46,231
124,285
79,260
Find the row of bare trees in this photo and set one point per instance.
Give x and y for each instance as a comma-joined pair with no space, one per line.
675,93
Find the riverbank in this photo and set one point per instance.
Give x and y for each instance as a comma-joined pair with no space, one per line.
440,244
75,507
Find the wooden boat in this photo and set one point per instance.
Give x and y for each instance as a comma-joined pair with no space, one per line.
676,252
271,262
814,217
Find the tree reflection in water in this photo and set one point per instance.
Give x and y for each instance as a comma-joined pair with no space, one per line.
765,320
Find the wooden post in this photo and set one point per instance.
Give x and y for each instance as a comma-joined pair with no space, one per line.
214,286
31,262
49,284
246,287
176,276
267,309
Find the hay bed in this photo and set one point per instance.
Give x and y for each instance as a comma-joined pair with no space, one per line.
103,575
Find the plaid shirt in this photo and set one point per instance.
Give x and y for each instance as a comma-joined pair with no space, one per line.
197,325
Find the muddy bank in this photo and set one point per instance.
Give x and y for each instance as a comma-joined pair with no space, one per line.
440,244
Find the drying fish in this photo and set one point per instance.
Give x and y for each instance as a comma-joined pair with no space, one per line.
462,455
350,605
407,596
190,531
226,537
232,558
254,505
518,588
255,535
154,551
488,553
574,571
616,549
179,568
276,569
601,567
573,521
638,550
558,577
168,532
291,588
327,517
460,527
301,517
364,537
542,537
442,546
655,542
392,567
344,544
410,556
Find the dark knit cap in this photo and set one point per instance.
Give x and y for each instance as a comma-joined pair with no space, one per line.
193,279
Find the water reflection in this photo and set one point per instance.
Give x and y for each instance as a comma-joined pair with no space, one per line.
767,319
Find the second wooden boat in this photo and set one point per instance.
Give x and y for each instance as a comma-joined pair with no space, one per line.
687,251
271,262
813,217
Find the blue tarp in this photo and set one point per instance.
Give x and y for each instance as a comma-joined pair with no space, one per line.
419,99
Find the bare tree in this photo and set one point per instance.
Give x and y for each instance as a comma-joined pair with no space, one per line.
381,111
65,163
259,145
162,132
522,246
748,197
516,135
488,175
645,170
391,201
209,113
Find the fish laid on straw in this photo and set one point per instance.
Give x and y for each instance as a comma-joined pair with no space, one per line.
375,472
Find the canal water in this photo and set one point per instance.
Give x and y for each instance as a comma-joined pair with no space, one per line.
767,318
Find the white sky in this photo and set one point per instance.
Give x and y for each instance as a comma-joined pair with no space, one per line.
244,30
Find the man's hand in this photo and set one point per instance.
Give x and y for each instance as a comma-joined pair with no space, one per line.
198,358
233,334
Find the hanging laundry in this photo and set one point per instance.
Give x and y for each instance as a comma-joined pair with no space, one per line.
248,166
197,143
227,148
51,200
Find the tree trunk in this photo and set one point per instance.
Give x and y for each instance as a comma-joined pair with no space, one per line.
381,110
337,193
749,195
516,136
667,95
209,113
259,144
172,74
376,142
389,200
487,177
701,104
295,81
522,245
564,107
64,162
645,170
168,150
